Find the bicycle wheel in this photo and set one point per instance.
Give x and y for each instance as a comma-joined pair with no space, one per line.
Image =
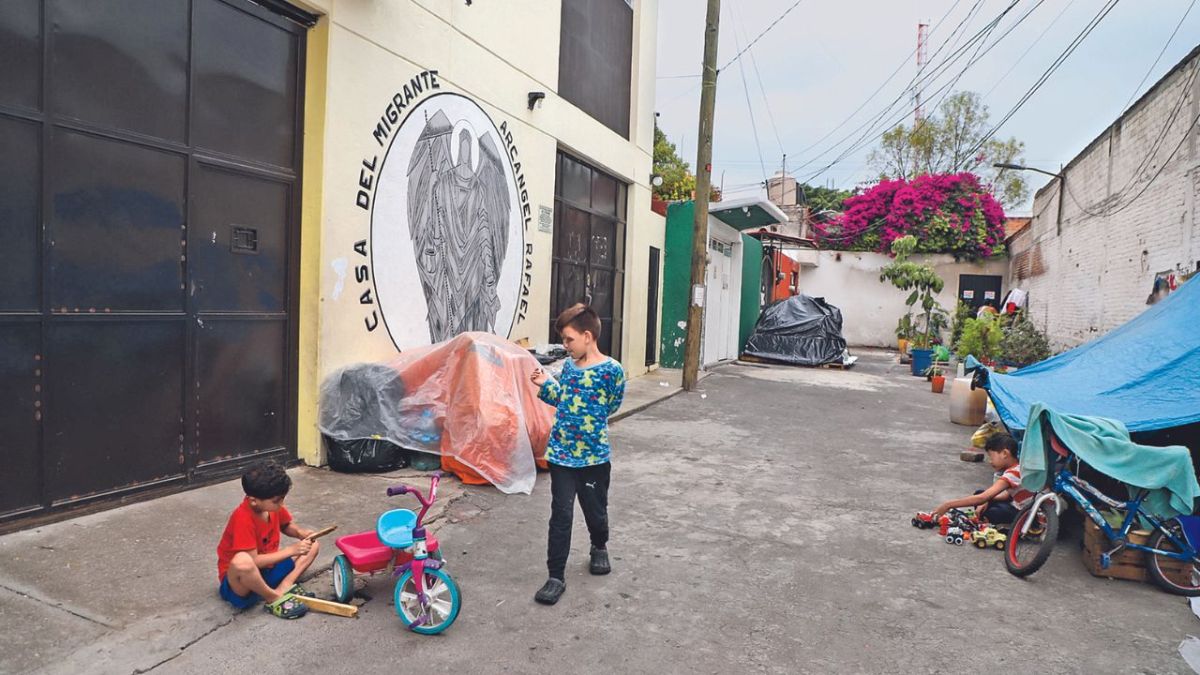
343,579
445,601
1172,575
1026,554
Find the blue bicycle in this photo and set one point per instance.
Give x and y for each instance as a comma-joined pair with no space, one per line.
1171,557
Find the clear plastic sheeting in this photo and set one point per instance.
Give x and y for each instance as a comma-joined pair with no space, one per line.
469,400
801,331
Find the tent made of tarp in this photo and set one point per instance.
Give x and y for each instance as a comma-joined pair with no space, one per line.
468,399
1144,374
800,330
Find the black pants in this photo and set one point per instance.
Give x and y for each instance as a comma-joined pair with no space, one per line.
999,513
590,485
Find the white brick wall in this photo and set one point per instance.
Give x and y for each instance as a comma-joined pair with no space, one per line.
1098,272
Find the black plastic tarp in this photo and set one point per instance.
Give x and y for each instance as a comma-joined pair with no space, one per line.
800,330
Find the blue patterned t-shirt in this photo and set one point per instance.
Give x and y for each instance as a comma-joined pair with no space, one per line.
584,399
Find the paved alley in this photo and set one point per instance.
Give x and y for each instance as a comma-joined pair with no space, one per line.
761,527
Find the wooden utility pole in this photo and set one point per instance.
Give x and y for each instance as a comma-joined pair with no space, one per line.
708,95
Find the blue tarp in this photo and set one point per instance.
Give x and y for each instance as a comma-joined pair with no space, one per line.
1145,374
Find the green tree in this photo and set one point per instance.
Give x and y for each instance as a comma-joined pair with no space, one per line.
949,141
678,181
922,280
822,198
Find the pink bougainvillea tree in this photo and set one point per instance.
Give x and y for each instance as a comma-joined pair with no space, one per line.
946,213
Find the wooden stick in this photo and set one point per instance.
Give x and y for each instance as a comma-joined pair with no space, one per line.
328,606
321,532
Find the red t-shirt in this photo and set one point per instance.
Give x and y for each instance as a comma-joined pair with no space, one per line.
246,531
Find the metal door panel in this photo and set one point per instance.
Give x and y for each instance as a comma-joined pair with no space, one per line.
20,415
240,380
21,53
114,405
20,211
245,85
238,242
116,228
122,64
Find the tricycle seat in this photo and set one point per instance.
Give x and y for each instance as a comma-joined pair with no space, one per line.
395,528
364,551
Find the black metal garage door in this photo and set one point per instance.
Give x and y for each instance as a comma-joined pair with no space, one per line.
149,201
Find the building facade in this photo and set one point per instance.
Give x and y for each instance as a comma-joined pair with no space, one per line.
240,198
1127,222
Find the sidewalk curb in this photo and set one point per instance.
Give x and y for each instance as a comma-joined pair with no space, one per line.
633,411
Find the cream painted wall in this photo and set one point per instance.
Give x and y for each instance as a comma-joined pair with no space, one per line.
494,54
871,308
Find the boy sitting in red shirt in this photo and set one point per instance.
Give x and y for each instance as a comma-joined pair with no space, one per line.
250,563
1000,503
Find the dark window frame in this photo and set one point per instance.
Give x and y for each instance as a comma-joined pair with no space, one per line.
600,84
617,269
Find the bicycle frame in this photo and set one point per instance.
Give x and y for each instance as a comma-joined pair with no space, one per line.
1076,489
420,552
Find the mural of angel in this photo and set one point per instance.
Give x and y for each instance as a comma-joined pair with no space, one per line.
458,217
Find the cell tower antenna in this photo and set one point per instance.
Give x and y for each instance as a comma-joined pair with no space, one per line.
922,40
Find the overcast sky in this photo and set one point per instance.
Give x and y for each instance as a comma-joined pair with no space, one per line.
825,58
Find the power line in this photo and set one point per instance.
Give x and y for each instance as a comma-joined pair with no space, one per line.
926,81
1029,48
1160,53
763,90
1066,53
749,107
867,137
760,35
880,88
1115,198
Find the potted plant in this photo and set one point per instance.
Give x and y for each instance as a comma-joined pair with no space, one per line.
1023,344
937,377
904,333
924,283
981,337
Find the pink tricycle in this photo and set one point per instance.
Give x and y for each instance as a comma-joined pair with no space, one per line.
427,599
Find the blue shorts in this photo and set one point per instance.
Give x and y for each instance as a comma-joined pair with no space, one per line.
272,575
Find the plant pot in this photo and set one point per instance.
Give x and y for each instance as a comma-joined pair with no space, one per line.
939,383
921,360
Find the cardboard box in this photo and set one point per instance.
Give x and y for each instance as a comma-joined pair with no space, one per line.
1128,563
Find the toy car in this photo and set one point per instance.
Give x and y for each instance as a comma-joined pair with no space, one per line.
924,520
954,535
989,536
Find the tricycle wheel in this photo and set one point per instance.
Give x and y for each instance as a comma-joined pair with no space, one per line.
445,601
343,579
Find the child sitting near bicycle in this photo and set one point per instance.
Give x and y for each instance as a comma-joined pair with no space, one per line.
590,389
1000,503
250,564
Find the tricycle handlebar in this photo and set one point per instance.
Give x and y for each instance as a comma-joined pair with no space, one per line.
397,490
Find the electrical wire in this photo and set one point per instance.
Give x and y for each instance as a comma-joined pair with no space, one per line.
878,89
749,107
1029,48
760,35
873,125
1160,53
867,137
1054,66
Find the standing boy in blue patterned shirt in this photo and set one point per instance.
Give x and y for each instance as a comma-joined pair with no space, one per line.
591,388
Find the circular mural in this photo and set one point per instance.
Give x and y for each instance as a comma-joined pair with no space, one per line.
446,229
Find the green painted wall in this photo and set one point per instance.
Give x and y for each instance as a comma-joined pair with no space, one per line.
752,254
677,277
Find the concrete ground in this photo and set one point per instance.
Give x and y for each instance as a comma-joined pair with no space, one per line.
761,527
